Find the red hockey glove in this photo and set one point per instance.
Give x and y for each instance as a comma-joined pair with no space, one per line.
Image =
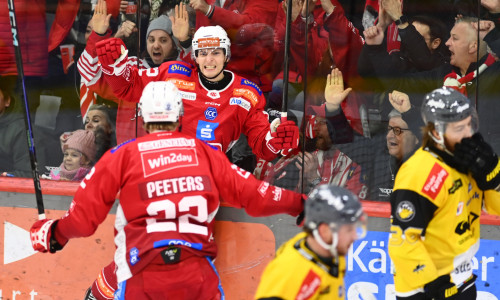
283,135
42,236
441,288
112,55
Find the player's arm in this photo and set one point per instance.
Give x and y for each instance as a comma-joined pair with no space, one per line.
241,189
126,80
90,206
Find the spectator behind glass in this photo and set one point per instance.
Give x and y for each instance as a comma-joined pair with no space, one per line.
79,156
99,121
161,46
14,154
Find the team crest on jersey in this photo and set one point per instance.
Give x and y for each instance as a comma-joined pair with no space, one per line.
183,84
435,181
211,113
179,69
155,162
248,94
250,83
213,94
187,95
240,102
405,211
205,130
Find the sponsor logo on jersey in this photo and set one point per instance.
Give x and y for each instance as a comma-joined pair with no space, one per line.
309,286
250,83
405,211
434,181
277,194
155,162
179,69
134,256
456,185
240,102
212,42
213,94
183,84
205,130
212,103
385,192
242,172
460,208
177,185
464,226
263,188
247,94
188,95
173,242
418,268
211,113
166,143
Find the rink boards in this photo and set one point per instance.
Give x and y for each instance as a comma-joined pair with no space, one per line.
245,246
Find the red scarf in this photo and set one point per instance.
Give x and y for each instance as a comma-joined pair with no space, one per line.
459,83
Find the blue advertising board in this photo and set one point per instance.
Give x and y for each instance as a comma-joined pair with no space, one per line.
369,269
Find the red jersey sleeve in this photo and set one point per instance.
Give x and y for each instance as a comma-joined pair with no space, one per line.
241,189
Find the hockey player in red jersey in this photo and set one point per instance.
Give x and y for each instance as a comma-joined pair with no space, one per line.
219,104
170,185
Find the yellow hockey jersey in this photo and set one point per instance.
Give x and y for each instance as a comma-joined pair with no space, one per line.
298,273
435,214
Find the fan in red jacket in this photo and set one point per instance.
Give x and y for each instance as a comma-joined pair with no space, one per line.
170,186
219,104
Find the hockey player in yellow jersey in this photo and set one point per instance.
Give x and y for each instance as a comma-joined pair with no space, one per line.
311,265
437,200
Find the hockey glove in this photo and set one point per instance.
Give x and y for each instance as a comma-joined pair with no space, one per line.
42,236
441,288
283,136
482,162
112,55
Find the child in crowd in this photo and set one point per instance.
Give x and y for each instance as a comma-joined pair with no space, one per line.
79,156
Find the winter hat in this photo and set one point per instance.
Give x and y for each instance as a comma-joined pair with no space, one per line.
83,141
162,23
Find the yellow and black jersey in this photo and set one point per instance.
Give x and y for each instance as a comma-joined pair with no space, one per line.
434,222
298,273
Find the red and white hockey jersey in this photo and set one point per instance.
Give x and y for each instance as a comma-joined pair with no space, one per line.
217,117
170,189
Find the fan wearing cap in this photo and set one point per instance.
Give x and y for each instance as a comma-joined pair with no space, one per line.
312,265
171,185
220,105
79,151
439,194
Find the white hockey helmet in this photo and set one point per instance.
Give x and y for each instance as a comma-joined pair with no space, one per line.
161,102
210,37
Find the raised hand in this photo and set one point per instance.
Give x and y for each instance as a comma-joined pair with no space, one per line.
126,29
100,19
200,5
493,6
374,35
400,101
484,27
180,22
334,90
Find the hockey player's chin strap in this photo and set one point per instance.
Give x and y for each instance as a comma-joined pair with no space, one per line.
213,77
332,248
